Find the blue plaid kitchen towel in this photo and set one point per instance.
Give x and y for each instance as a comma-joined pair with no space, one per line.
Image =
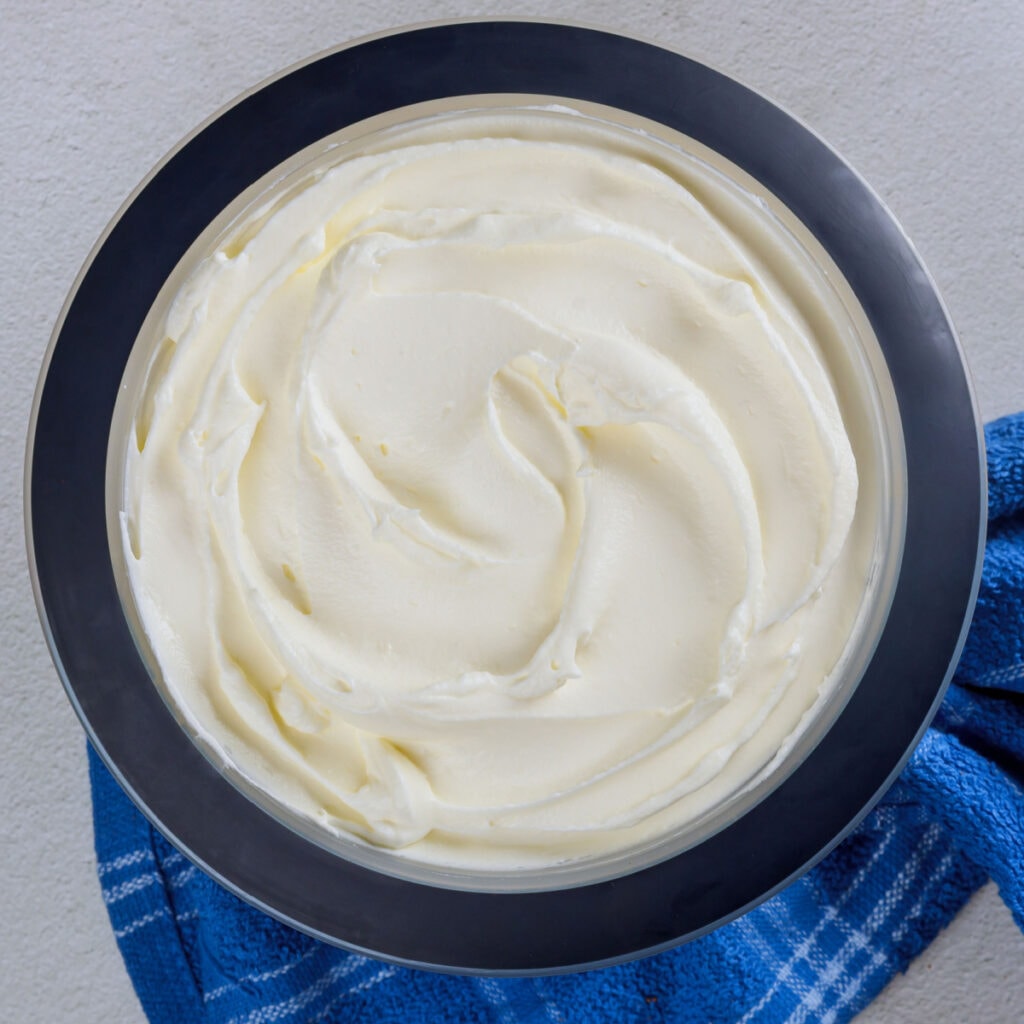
817,952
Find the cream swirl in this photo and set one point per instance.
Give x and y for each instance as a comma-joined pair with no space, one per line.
489,503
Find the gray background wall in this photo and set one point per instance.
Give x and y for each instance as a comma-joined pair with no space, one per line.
923,97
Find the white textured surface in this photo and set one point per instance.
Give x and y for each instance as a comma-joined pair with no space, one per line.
924,98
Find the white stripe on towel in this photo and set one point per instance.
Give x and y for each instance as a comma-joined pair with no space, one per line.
804,949
126,860
877,961
860,938
277,972
381,975
288,1007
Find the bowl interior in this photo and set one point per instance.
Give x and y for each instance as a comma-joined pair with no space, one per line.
778,245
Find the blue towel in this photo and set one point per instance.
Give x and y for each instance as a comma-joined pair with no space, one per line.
817,952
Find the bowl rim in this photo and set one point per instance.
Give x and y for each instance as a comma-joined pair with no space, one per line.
410,922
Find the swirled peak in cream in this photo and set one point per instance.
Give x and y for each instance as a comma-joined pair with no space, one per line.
489,504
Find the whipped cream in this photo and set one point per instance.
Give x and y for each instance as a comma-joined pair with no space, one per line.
489,502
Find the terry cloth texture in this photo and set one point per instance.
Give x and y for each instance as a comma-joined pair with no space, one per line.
817,952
